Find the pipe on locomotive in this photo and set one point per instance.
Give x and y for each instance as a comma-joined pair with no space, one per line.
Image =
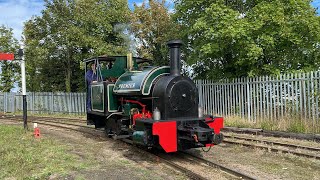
175,63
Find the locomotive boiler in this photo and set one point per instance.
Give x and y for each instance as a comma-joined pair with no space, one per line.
154,106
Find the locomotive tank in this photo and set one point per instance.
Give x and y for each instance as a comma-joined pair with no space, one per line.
139,82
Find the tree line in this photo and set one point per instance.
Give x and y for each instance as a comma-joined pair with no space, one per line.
222,38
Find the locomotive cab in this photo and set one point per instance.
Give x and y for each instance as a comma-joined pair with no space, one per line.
101,101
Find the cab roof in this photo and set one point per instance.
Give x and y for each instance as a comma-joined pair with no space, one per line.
113,58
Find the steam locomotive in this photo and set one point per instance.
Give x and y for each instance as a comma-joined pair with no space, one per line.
153,106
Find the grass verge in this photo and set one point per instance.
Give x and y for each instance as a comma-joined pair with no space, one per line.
24,157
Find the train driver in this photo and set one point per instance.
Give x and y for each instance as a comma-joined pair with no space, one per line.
91,76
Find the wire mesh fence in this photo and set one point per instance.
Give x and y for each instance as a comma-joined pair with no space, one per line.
288,96
273,98
44,102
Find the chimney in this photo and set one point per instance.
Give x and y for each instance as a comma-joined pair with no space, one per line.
175,62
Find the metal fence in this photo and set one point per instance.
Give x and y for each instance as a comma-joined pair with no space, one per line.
288,95
44,102
250,98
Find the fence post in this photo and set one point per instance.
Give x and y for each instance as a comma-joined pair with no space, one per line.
200,92
33,102
52,103
4,102
313,97
14,103
69,103
248,100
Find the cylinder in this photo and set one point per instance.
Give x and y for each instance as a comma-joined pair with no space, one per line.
175,64
140,137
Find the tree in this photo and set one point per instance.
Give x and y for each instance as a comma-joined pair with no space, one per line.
153,27
240,38
68,32
9,70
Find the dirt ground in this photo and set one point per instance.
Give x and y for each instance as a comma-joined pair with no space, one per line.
263,164
109,159
115,160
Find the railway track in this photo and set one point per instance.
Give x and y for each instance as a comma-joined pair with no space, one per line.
178,161
219,166
309,137
274,143
273,146
32,118
304,151
298,150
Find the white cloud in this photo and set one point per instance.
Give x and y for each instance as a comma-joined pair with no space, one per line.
139,4
15,12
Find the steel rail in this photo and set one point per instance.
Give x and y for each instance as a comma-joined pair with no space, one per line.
312,137
274,143
189,173
60,119
221,167
45,117
40,120
66,123
186,171
78,130
272,149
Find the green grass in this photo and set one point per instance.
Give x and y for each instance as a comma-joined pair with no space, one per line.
24,157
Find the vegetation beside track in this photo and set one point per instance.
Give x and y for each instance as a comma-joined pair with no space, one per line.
24,157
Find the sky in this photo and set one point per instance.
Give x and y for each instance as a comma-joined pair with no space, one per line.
13,13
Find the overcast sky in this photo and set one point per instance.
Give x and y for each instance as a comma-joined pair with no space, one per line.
14,12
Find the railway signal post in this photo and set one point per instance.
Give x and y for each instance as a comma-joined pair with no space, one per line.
24,91
10,57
